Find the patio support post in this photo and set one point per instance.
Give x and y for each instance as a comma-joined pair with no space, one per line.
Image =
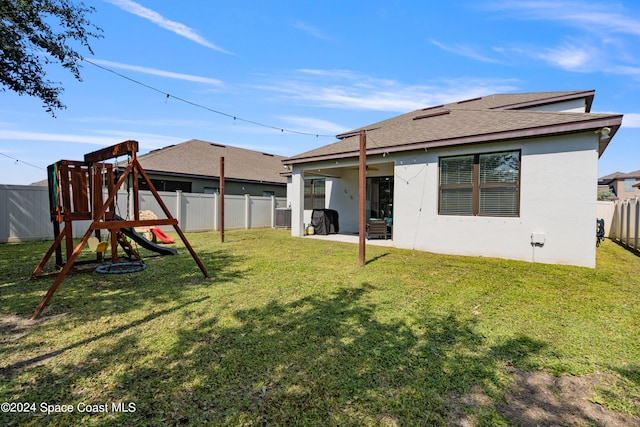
362,196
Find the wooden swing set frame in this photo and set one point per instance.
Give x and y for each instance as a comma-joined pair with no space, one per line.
76,193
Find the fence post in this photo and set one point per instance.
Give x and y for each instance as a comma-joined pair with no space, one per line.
247,211
621,225
628,218
179,207
273,211
635,239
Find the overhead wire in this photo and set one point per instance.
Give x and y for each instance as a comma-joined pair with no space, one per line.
22,161
204,107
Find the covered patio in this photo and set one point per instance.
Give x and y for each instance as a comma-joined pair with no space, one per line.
334,185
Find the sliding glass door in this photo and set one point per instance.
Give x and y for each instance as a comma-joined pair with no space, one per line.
380,198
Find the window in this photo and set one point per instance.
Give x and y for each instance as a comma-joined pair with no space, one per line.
166,185
314,194
480,184
628,185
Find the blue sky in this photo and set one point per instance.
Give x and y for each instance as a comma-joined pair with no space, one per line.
307,68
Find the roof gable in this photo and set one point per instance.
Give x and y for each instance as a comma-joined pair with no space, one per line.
202,158
509,101
619,175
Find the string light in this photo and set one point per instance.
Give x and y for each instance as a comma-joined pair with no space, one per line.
21,161
204,107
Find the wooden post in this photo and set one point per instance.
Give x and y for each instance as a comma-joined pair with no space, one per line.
62,274
362,194
221,199
56,233
54,247
136,201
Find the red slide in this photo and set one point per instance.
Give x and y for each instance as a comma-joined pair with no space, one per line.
160,235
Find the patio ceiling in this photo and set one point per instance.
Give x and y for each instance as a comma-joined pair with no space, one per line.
374,168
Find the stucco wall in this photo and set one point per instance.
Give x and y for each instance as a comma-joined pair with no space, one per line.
564,214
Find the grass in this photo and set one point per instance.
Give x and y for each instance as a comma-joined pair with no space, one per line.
291,331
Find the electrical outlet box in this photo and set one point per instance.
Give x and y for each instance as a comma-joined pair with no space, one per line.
538,239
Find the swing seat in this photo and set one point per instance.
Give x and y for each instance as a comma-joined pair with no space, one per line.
96,245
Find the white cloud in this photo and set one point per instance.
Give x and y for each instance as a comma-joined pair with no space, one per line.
313,125
572,55
311,30
624,70
599,46
465,51
601,16
103,138
173,26
631,120
355,91
156,72
568,57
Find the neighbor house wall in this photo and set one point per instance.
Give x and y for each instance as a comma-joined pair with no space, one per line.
231,186
621,191
564,214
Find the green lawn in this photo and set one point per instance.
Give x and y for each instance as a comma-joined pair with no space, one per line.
291,331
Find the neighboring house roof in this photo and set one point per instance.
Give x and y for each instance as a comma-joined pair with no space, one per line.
486,119
198,158
607,179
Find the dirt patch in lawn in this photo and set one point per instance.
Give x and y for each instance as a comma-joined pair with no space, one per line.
542,399
12,328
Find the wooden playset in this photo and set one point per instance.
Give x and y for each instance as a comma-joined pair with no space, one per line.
76,193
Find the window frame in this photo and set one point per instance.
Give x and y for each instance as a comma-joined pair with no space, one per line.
313,198
476,185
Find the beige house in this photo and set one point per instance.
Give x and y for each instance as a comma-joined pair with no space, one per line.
621,185
477,177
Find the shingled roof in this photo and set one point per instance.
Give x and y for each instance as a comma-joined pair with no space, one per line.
198,158
618,175
486,119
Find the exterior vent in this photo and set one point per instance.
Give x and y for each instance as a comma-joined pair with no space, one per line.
433,108
438,113
469,100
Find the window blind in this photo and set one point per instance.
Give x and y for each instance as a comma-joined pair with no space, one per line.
485,184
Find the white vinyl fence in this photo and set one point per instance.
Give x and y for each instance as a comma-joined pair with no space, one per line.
625,224
24,211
